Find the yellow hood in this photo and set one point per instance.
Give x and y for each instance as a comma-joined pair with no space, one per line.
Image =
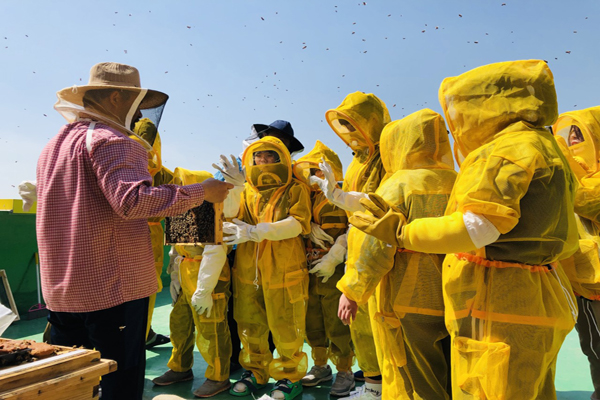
268,176
366,113
146,129
418,141
313,158
485,101
588,121
183,176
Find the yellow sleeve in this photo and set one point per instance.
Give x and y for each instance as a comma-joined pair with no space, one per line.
587,199
243,214
369,257
442,235
493,187
368,262
301,206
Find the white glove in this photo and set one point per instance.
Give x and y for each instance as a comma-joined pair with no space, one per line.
231,170
318,236
231,205
241,232
348,201
481,231
173,270
28,192
213,260
325,267
327,185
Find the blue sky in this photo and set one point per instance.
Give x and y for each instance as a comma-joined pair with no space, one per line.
229,64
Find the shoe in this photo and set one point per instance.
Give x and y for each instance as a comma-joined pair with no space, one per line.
343,385
210,388
248,380
285,389
316,375
157,340
170,377
359,376
363,393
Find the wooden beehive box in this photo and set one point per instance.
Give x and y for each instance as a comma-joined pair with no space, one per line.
72,374
200,225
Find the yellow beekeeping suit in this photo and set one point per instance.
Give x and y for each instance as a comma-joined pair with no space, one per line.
270,277
358,121
328,337
213,338
409,314
509,305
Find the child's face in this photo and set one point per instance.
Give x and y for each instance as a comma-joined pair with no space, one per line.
347,125
575,136
349,134
265,157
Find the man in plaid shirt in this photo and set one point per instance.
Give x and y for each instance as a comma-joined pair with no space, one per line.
95,195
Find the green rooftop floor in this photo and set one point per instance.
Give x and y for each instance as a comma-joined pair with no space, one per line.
572,376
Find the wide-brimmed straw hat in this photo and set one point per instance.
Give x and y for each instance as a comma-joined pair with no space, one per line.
111,75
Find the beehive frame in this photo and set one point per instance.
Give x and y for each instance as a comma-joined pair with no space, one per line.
190,219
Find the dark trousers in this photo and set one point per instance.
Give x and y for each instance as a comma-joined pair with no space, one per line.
118,333
588,327
236,344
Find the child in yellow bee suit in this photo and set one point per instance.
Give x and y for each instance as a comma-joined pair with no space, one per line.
326,250
270,276
201,278
509,220
409,314
578,132
358,121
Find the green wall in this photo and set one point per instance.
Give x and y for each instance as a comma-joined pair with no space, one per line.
18,244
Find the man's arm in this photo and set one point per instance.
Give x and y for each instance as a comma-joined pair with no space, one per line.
120,165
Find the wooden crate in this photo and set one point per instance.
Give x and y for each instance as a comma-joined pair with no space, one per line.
208,232
72,374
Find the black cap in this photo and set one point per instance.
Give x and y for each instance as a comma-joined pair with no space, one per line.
282,127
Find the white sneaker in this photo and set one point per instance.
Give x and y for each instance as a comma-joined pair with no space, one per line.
363,393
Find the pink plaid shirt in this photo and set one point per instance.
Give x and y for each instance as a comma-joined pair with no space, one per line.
94,200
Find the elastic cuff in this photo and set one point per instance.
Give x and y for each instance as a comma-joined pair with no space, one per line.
344,363
343,286
320,355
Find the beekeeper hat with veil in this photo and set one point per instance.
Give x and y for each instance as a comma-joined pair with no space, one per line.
86,101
